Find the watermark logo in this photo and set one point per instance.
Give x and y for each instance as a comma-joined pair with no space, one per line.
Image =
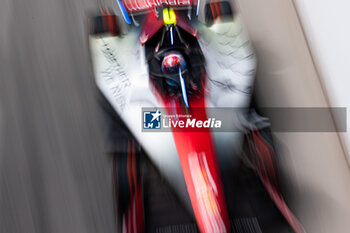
243,119
152,119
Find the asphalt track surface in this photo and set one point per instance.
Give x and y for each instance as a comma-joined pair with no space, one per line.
54,176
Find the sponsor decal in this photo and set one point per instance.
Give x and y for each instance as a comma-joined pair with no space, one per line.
114,75
139,5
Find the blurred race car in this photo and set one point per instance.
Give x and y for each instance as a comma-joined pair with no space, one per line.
179,58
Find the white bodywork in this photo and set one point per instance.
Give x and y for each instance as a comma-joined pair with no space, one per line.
121,74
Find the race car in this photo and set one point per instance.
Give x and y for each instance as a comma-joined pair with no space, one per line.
182,59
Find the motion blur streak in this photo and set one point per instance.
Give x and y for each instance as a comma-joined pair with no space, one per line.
207,192
267,166
53,177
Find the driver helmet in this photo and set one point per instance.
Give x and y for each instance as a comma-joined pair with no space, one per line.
173,63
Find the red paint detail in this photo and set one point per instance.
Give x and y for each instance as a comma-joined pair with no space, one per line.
199,146
186,25
216,4
197,143
151,26
134,218
101,11
141,5
110,23
267,168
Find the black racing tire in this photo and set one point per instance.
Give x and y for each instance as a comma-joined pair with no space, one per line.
120,143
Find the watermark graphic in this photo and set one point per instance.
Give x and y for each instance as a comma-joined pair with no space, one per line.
243,119
152,119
